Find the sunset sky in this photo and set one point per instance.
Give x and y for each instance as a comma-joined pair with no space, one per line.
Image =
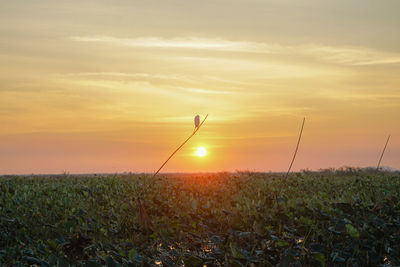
113,86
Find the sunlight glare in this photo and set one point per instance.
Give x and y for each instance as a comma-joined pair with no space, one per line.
201,152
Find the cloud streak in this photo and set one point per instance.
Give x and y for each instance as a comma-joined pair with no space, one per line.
206,91
188,42
344,55
140,80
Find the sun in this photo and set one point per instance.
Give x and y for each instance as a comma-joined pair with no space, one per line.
201,151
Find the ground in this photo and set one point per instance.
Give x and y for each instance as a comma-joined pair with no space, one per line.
329,218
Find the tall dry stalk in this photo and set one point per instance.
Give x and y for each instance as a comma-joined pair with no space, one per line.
297,147
144,218
383,152
194,132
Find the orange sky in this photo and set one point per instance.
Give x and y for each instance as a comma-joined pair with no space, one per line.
113,86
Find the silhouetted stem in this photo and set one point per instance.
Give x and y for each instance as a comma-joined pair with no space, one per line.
383,152
297,147
195,131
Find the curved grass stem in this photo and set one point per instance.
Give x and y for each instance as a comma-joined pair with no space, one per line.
297,147
194,132
383,152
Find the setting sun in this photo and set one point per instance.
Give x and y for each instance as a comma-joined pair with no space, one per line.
201,151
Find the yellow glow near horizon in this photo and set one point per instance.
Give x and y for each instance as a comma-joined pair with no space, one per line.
201,152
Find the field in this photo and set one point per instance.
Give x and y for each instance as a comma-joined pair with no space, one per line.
331,218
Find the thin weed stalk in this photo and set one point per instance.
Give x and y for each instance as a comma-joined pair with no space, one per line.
297,147
383,152
194,132
144,218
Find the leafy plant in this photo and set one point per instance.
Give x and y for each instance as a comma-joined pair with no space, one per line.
236,219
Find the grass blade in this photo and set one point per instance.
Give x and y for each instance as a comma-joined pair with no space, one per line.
194,132
297,147
383,152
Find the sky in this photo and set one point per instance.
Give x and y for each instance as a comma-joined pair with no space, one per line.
113,86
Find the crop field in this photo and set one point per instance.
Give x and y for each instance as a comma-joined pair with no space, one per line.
331,218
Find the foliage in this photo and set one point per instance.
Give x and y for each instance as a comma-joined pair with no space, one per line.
238,219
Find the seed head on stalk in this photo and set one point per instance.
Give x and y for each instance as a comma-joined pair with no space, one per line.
196,121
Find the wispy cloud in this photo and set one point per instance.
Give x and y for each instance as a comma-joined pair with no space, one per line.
345,55
122,80
351,55
141,75
206,91
189,42
125,75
